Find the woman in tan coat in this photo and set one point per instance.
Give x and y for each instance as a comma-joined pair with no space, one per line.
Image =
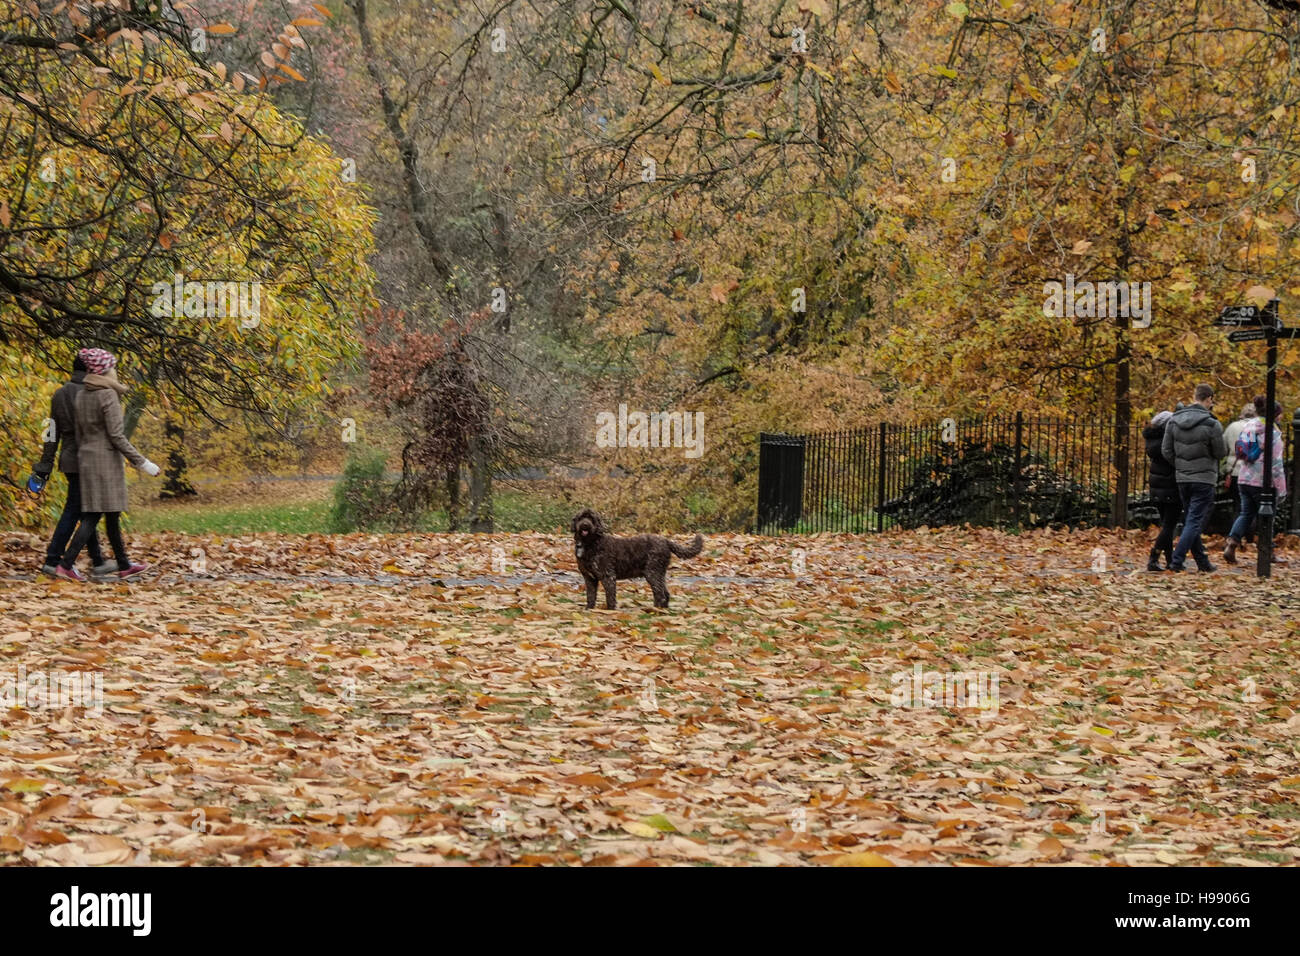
101,446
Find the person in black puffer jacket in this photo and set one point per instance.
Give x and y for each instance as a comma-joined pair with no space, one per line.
1164,491
1194,443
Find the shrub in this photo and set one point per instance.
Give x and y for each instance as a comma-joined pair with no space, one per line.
975,482
362,498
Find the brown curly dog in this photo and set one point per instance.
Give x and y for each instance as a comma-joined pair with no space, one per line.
606,559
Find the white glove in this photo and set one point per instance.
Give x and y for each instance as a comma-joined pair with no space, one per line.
149,468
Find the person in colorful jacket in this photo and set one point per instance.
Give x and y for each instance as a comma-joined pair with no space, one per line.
1231,465
1250,480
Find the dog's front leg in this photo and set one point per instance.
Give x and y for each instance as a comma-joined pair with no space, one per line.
611,592
592,584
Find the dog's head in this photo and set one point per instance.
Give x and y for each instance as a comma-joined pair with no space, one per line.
587,526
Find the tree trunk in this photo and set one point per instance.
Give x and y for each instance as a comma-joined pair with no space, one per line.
1123,419
408,152
452,481
501,253
1121,132
175,482
132,409
480,487
1123,370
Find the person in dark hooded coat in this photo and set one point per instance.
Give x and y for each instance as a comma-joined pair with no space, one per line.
1164,491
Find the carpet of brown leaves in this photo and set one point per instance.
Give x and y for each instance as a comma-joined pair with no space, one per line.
314,700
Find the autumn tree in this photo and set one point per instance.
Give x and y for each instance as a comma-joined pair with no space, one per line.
1146,141
154,201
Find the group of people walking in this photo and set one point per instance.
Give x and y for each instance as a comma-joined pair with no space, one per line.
88,426
1188,449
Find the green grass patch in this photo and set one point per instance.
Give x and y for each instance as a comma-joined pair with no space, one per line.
514,511
302,517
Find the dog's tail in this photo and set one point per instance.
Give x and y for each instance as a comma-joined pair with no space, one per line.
690,551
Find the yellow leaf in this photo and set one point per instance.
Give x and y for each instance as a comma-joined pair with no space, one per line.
865,858
1260,293
1082,246
641,830
658,75
1190,341
221,29
820,72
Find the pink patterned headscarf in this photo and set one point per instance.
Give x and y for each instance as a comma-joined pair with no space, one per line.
97,361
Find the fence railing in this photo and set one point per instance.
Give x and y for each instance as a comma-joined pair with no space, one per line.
1002,472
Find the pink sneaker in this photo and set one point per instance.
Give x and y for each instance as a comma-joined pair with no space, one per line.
133,570
74,575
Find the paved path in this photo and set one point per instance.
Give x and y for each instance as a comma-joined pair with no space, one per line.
924,566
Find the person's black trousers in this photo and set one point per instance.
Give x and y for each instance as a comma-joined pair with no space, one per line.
67,523
86,531
1171,510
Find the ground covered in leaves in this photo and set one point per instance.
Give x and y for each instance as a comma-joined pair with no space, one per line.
449,699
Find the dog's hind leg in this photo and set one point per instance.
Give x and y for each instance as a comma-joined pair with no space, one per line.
611,592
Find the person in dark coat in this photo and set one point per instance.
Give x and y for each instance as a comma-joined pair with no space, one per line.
101,446
64,437
1164,491
1194,443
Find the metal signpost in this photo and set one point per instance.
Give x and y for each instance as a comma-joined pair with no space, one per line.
1256,324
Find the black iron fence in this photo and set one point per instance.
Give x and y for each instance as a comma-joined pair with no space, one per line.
1001,472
